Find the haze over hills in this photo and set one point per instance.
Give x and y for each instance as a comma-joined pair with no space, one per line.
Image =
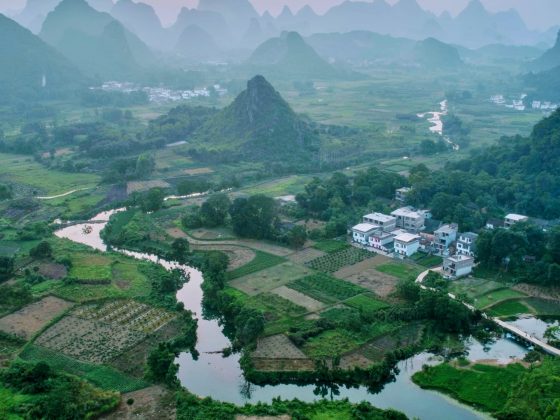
32,69
432,53
94,41
289,56
142,20
259,124
549,59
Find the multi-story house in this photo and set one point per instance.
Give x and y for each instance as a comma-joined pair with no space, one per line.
410,219
445,236
407,244
387,223
457,266
466,244
512,219
362,232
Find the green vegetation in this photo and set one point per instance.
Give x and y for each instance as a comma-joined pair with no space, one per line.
102,376
334,261
366,303
426,260
506,392
326,288
509,308
400,270
261,262
497,296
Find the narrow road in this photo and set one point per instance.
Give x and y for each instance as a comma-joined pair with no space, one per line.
514,330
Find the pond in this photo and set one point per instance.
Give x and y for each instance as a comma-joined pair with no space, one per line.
533,326
221,378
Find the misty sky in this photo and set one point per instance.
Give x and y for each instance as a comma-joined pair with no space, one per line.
538,14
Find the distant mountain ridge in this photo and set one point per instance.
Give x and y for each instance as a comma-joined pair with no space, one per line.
32,69
291,57
549,60
95,42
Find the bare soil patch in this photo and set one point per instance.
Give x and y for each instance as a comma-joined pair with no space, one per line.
30,319
53,271
365,275
550,293
269,279
353,360
284,365
176,233
198,171
306,255
238,256
299,299
140,186
153,403
277,347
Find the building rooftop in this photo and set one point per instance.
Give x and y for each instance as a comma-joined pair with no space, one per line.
407,237
469,235
407,212
380,217
404,189
448,228
516,217
460,258
365,227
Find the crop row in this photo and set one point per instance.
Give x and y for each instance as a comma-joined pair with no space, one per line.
326,288
331,263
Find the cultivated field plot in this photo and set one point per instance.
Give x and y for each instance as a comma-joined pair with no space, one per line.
509,308
402,271
53,271
333,262
331,246
98,333
360,267
198,171
474,287
365,275
24,170
277,347
141,186
269,279
325,288
261,262
30,319
544,307
306,255
366,302
376,349
497,296
238,256
312,305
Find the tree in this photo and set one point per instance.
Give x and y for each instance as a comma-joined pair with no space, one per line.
152,200
6,267
145,165
160,364
43,250
254,217
5,192
180,249
214,211
297,237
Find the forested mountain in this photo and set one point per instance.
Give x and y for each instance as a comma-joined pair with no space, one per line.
211,22
289,56
142,20
520,174
195,44
549,60
31,69
95,42
432,53
259,125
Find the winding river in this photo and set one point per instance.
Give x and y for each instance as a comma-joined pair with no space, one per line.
221,378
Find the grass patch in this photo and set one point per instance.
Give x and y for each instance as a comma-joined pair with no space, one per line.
400,270
102,376
331,246
325,288
543,307
262,261
366,303
497,296
509,308
426,260
330,343
483,386
24,170
333,262
474,287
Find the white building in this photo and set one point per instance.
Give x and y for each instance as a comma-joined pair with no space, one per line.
445,236
407,244
362,232
457,266
466,244
409,219
387,223
401,193
383,241
512,219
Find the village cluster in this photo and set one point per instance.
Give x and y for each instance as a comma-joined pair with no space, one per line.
521,105
160,94
407,231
